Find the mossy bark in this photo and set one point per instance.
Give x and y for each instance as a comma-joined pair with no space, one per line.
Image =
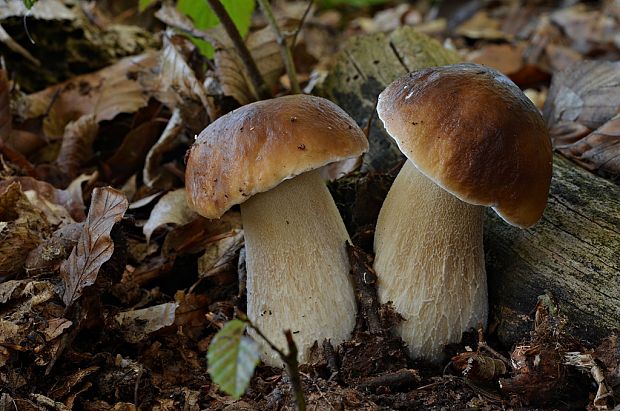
573,252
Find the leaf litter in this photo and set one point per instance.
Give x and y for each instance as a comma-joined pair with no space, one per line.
114,307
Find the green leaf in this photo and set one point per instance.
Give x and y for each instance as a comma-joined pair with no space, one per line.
240,11
232,358
29,3
144,4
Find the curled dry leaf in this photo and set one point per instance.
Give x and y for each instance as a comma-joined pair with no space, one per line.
154,175
582,98
76,147
478,367
172,208
47,256
219,257
129,157
95,245
176,75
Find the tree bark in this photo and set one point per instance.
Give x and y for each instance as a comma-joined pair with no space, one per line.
573,252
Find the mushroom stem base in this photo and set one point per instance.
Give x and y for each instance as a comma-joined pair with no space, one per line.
298,269
430,263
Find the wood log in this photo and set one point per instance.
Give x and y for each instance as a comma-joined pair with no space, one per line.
573,252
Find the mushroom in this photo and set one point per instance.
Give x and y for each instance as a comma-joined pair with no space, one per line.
265,156
472,139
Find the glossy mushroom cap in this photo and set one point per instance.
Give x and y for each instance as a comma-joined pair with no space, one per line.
473,132
257,146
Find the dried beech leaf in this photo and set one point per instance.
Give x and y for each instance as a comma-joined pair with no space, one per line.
129,157
154,176
77,144
115,89
95,245
588,30
265,51
584,97
170,209
178,76
41,194
220,254
137,323
22,227
599,151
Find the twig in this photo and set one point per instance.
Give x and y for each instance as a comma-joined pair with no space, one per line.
301,23
285,51
290,360
483,344
244,53
396,380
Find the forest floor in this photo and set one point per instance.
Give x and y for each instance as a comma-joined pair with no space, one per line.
112,288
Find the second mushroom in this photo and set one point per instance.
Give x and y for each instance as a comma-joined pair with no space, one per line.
472,139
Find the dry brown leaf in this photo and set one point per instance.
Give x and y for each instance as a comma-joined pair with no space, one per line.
265,51
41,194
154,175
585,97
589,30
42,10
22,227
172,208
115,89
220,255
506,58
95,245
77,143
482,26
136,324
177,75
599,151
129,157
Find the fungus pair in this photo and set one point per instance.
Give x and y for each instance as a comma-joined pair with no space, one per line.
472,139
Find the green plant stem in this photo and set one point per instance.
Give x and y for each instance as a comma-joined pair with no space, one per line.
285,51
257,79
290,360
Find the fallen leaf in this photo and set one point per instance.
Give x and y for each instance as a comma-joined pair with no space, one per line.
42,194
76,147
136,324
55,328
585,97
95,245
116,89
153,174
22,228
172,208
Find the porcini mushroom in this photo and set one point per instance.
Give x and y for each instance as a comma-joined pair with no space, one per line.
265,156
471,139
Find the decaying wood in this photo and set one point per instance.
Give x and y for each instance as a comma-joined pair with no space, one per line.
573,252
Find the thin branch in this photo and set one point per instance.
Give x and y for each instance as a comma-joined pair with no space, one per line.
244,53
290,360
285,51
301,23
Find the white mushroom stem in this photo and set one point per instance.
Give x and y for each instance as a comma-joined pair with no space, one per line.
430,263
297,266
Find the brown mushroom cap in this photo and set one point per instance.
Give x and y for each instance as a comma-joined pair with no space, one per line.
473,132
257,146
